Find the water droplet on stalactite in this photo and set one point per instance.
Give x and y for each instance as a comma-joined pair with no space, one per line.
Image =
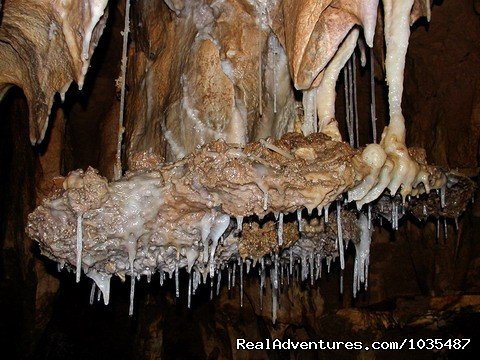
280,229
299,219
79,246
132,294
241,282
92,292
239,223
177,285
189,301
340,235
425,210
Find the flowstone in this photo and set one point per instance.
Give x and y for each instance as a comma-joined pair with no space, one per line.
275,203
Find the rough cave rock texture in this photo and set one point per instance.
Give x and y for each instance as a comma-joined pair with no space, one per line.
172,110
210,67
45,45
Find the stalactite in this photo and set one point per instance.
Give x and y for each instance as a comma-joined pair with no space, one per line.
351,103
79,246
123,74
346,80
340,235
355,99
373,105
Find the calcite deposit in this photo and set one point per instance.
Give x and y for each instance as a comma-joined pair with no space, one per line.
232,152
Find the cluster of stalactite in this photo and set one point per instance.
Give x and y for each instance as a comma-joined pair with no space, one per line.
224,173
226,207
